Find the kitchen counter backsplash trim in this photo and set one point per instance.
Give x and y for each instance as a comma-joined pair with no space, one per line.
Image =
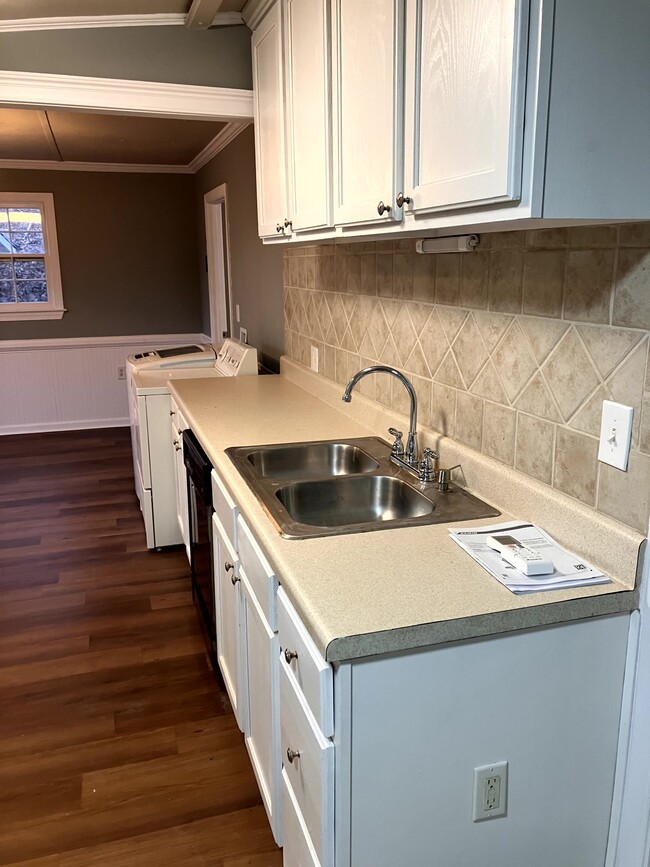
511,349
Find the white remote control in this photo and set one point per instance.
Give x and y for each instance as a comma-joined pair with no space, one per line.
518,555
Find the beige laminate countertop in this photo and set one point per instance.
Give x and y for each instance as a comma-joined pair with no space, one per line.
366,593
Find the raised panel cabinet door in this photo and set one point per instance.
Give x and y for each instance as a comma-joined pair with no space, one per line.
308,113
262,734
367,73
268,109
230,644
465,81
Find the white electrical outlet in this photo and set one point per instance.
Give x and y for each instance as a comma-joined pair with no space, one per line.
121,372
237,312
490,791
615,434
243,335
314,358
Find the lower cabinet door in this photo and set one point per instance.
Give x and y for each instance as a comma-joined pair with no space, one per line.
308,758
262,733
230,644
298,850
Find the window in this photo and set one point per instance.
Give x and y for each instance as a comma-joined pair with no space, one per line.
30,276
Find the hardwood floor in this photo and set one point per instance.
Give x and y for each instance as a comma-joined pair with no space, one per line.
117,743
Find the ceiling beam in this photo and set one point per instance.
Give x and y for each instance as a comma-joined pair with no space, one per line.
202,13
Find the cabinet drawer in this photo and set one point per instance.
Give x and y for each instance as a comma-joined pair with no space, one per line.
298,850
313,675
311,773
225,507
261,577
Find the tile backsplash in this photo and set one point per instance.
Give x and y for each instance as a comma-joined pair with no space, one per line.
511,348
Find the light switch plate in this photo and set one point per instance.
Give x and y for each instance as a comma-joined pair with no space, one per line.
615,434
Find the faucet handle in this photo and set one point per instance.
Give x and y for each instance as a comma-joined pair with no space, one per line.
427,473
398,446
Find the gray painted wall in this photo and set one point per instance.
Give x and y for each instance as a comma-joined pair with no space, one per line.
128,250
218,57
256,270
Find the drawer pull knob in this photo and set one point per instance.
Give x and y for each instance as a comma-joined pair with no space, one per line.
234,579
228,566
292,754
175,441
289,655
179,431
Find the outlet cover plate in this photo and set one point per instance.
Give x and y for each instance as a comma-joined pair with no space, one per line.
615,434
490,791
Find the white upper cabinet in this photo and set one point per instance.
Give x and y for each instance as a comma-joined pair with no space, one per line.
307,29
367,71
270,149
465,76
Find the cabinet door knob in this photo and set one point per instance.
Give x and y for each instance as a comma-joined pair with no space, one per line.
292,754
175,442
383,209
289,655
228,566
279,228
287,223
179,431
178,448
402,200
171,412
234,579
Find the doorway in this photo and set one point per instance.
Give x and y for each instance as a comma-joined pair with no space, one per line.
218,262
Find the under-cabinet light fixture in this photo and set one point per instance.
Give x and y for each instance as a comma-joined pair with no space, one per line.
454,244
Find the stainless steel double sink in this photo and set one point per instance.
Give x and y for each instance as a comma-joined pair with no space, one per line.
332,487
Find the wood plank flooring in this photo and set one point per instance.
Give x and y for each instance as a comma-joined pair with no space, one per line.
118,747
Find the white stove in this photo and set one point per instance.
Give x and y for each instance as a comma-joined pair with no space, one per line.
148,377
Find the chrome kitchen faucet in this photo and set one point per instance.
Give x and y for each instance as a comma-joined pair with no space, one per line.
407,460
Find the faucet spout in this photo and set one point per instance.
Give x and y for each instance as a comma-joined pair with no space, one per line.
411,455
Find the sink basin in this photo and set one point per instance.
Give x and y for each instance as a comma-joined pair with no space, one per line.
332,487
352,500
311,460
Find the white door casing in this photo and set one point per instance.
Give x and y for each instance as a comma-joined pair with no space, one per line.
218,262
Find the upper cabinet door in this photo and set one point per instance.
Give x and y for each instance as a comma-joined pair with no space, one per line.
266,45
465,82
308,113
367,109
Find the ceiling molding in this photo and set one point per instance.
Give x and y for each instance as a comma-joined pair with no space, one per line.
120,96
254,11
77,22
72,166
218,143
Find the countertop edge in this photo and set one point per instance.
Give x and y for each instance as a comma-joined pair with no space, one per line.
354,647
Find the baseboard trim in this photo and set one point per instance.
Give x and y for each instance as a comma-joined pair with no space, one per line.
53,427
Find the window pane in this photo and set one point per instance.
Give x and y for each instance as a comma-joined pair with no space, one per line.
27,243
6,269
30,291
4,219
25,220
28,269
7,294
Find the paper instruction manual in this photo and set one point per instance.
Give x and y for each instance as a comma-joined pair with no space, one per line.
569,569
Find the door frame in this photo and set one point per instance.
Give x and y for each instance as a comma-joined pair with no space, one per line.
217,245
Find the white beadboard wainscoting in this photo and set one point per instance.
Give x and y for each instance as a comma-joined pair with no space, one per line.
70,383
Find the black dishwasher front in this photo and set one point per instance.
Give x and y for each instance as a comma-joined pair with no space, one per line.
199,492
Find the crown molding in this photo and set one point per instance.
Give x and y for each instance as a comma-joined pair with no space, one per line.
254,11
78,22
218,143
37,90
77,166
